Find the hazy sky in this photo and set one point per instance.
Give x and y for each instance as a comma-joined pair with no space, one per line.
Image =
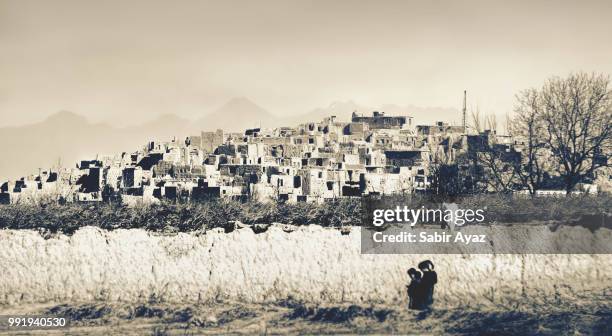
126,60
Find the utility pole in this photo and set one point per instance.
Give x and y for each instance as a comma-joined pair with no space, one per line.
464,111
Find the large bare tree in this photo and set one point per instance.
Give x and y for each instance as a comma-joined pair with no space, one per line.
577,116
528,126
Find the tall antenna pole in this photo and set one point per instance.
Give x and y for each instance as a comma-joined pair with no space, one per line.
464,111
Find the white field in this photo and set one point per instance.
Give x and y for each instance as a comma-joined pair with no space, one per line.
312,264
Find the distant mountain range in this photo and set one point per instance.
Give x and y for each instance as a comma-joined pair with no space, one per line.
66,137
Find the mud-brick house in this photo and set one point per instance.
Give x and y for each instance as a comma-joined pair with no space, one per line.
406,158
355,131
387,183
5,196
481,142
150,160
211,140
440,128
91,181
320,183
379,120
286,184
131,177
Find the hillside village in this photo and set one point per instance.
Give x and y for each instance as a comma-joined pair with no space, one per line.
375,154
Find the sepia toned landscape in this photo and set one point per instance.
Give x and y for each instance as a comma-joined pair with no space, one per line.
207,167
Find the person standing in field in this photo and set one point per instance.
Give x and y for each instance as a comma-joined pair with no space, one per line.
428,281
416,293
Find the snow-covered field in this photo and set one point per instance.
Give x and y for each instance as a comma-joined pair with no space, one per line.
311,264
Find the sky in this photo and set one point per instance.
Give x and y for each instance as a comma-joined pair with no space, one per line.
128,61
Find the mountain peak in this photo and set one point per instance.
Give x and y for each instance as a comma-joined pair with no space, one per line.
241,102
237,115
241,107
66,117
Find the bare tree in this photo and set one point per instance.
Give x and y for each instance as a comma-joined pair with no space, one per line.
490,122
475,116
481,122
508,124
528,126
501,170
577,114
438,158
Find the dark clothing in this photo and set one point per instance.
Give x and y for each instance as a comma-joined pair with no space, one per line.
417,295
430,279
